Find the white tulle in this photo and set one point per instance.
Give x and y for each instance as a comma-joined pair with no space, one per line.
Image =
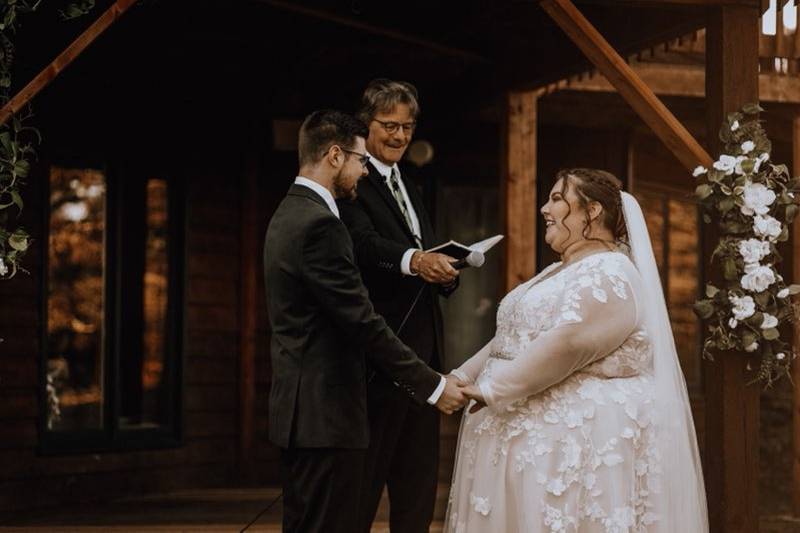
683,502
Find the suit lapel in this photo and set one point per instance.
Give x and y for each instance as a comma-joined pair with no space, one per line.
379,182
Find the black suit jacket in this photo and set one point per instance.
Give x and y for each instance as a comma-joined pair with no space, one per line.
323,325
380,237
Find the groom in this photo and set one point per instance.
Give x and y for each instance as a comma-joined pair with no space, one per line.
323,327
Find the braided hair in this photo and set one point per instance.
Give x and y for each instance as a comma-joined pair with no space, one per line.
592,185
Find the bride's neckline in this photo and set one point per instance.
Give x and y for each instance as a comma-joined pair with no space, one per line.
559,266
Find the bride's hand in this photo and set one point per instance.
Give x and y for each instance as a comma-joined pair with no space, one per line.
473,392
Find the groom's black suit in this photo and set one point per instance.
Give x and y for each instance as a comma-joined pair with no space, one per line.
323,326
404,445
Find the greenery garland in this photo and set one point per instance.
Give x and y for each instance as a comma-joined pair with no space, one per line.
753,202
16,138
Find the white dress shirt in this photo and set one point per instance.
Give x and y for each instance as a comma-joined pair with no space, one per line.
328,197
322,191
386,171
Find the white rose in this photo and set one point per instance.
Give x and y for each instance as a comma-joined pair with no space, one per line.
767,226
757,199
759,160
753,250
757,277
780,356
733,323
752,348
748,146
699,171
743,307
726,163
3,268
735,125
769,321
783,293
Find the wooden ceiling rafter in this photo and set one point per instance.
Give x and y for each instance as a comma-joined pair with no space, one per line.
638,95
64,59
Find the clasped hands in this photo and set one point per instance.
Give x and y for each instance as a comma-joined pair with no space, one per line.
457,394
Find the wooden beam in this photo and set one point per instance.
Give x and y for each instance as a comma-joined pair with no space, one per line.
732,407
683,80
366,27
51,72
249,256
519,187
796,342
663,123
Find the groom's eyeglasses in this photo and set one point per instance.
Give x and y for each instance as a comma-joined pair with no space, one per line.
362,158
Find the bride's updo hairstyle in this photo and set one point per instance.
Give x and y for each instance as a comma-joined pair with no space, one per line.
592,185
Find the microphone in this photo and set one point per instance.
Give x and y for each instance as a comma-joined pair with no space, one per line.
473,259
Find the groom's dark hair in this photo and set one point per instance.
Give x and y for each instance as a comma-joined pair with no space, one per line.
325,128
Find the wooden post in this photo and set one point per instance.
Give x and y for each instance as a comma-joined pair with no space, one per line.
796,343
249,253
732,409
519,187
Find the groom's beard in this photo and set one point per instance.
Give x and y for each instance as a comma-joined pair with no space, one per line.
341,190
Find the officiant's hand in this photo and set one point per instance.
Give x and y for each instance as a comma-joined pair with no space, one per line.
434,267
452,398
473,392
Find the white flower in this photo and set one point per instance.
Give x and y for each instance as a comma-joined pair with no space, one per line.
733,323
753,250
759,160
481,505
699,170
783,293
743,307
757,277
3,268
757,199
735,125
767,226
752,348
726,163
780,356
769,321
748,146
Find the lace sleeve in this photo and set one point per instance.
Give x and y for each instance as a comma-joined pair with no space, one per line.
468,372
596,314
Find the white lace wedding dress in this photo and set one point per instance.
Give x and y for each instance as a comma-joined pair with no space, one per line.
567,442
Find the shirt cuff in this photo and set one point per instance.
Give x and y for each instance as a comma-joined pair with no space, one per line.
405,262
437,393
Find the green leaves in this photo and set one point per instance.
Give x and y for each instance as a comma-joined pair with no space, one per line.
703,191
704,309
19,240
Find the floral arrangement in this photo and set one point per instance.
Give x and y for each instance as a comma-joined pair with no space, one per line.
753,202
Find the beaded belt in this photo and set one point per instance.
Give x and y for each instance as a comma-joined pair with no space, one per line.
500,355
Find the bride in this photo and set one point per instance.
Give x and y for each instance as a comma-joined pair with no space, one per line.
581,420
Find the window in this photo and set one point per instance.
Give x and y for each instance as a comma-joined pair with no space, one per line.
111,375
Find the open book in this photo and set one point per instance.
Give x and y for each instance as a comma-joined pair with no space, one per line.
457,250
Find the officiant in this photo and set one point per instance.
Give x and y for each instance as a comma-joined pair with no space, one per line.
390,229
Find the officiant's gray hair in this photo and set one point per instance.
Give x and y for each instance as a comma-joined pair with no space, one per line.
382,96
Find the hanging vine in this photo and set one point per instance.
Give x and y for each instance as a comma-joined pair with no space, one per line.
17,138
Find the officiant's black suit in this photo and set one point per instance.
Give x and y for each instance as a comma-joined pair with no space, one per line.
323,325
404,438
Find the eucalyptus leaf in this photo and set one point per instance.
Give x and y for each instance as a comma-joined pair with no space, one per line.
18,241
771,334
729,270
752,108
794,288
703,191
711,290
704,309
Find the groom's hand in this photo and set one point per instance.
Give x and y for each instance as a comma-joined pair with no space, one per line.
434,267
452,398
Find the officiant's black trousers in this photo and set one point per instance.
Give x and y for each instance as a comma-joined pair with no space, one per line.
321,489
403,456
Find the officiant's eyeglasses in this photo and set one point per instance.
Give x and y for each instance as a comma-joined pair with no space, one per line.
392,127
362,158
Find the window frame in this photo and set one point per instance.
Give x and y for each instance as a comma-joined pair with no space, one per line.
113,437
